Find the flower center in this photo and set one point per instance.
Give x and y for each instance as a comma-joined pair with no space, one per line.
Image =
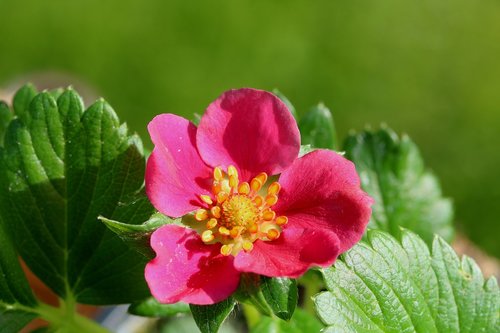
239,210
238,214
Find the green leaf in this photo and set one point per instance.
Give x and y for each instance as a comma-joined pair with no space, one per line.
152,308
22,99
391,286
60,169
13,321
301,322
16,298
406,194
281,294
287,102
5,118
210,317
317,128
249,291
138,235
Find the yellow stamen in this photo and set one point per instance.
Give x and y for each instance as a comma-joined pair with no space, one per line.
268,215
212,223
236,214
235,232
231,171
273,234
281,220
207,236
221,197
206,199
271,199
201,215
244,188
224,231
253,228
258,200
218,175
255,184
226,249
262,177
274,188
247,246
216,189
233,181
215,210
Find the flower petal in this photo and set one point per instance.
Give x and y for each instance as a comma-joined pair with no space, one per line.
291,255
251,129
185,269
175,173
321,191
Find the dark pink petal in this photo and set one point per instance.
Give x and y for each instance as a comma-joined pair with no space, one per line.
291,255
175,173
185,269
321,191
250,129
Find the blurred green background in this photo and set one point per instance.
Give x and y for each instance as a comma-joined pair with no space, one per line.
427,68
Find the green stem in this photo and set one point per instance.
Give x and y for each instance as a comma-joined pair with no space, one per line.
68,322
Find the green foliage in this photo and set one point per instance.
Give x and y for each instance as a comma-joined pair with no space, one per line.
391,286
152,308
281,295
317,128
16,299
137,236
5,118
406,194
301,322
60,168
210,317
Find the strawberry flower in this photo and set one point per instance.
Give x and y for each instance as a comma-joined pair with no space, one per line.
249,203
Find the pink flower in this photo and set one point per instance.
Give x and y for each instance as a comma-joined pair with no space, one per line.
227,175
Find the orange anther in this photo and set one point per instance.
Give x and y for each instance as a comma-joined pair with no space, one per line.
233,181
281,220
201,215
273,234
268,215
271,199
274,188
247,246
218,175
231,171
253,228
212,223
258,200
215,211
255,184
262,177
207,236
223,231
216,189
226,249
206,199
235,232
244,188
221,197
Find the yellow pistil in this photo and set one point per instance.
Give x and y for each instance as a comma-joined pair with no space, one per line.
239,213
